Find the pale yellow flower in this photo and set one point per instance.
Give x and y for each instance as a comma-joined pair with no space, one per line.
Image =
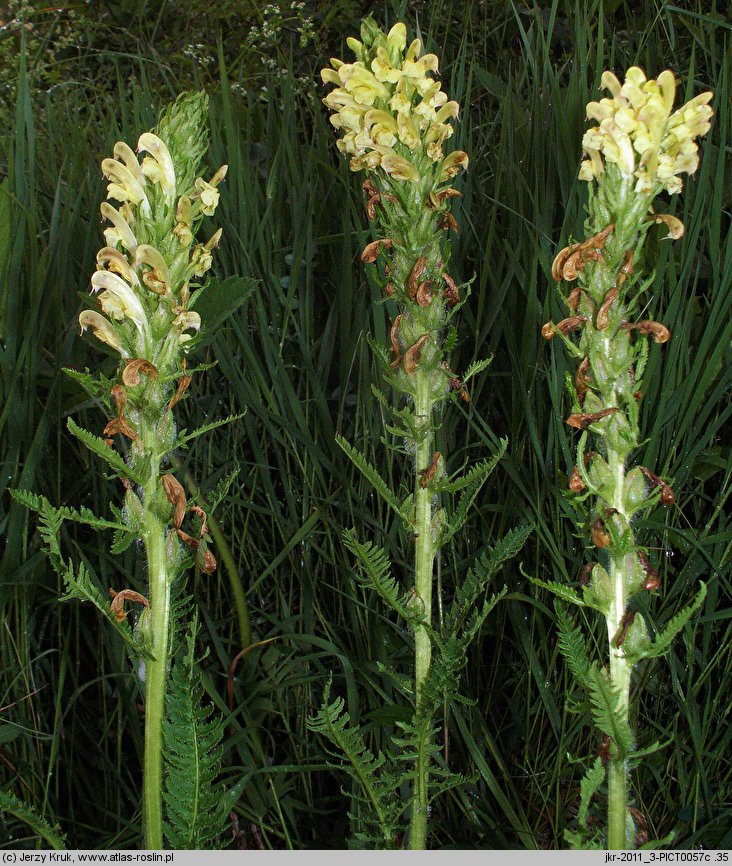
121,233
102,328
118,299
158,167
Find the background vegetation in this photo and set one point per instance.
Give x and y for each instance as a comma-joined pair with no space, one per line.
78,76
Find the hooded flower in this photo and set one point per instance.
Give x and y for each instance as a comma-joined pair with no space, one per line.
389,109
640,135
102,328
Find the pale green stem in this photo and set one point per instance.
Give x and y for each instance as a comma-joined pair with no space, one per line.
156,668
423,574
155,679
620,671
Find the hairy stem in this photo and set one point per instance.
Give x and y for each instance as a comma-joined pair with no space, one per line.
424,562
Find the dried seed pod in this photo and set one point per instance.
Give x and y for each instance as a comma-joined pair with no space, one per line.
582,422
414,275
601,320
134,367
581,382
659,332
586,573
371,251
603,753
371,206
451,294
389,290
413,353
668,497
429,473
177,498
626,621
183,384
117,605
652,581
576,484
600,535
641,822
395,347
448,222
369,189
424,293
207,563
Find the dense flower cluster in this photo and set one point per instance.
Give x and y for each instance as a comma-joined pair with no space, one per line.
144,271
391,113
638,133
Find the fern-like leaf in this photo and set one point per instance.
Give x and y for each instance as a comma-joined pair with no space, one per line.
561,590
672,628
587,836
481,573
192,754
572,646
476,475
377,574
379,819
13,805
609,719
101,449
368,471
184,437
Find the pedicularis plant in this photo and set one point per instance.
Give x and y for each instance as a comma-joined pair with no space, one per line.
638,150
394,121
146,289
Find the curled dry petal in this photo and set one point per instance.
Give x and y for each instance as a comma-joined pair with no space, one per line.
177,498
117,605
414,275
451,293
183,384
582,421
195,509
602,314
626,269
371,251
134,367
428,474
424,293
659,332
395,347
119,395
673,224
573,258
120,425
413,353
565,326
626,620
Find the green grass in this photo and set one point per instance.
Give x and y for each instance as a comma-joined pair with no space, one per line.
294,357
